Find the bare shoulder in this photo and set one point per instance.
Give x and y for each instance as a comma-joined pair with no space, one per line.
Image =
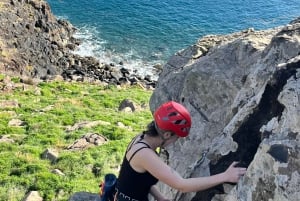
138,154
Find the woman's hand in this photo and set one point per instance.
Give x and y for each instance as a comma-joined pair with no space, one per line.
233,174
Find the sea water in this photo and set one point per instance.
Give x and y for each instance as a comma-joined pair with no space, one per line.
139,34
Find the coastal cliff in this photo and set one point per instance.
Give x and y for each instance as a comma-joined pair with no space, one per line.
34,43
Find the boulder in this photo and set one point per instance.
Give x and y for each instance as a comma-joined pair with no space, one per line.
242,91
33,196
80,196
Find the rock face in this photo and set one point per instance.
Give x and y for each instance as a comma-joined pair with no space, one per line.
243,92
33,42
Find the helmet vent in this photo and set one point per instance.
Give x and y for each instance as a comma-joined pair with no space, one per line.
173,114
180,122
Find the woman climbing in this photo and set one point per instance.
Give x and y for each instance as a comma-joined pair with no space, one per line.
142,167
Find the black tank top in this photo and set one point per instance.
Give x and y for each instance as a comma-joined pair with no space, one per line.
134,184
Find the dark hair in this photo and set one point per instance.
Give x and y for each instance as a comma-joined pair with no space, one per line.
151,130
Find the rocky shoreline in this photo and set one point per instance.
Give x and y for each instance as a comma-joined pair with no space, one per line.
34,43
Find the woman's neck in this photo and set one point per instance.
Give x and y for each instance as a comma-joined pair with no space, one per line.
153,142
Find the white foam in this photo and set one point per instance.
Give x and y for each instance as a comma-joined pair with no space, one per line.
94,46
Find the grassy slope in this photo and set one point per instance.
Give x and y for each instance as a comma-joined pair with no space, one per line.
23,169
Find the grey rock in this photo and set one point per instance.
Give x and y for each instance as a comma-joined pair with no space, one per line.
50,154
84,196
242,91
33,196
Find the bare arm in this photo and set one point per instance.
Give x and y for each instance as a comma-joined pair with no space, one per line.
149,161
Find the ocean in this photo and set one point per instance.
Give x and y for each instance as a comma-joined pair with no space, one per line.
139,34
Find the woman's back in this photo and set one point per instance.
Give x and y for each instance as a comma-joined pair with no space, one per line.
132,183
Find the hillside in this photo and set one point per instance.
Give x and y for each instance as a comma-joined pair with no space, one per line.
58,138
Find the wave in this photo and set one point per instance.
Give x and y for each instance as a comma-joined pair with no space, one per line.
92,45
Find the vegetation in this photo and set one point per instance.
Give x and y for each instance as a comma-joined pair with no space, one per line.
47,109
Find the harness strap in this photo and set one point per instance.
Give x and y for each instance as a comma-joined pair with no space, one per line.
119,196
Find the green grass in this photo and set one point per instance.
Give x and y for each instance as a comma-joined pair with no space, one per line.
47,110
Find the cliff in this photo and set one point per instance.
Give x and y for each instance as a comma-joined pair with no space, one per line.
243,92
34,43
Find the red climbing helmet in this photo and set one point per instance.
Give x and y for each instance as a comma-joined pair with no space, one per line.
172,116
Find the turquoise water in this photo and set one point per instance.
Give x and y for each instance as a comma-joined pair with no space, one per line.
142,33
